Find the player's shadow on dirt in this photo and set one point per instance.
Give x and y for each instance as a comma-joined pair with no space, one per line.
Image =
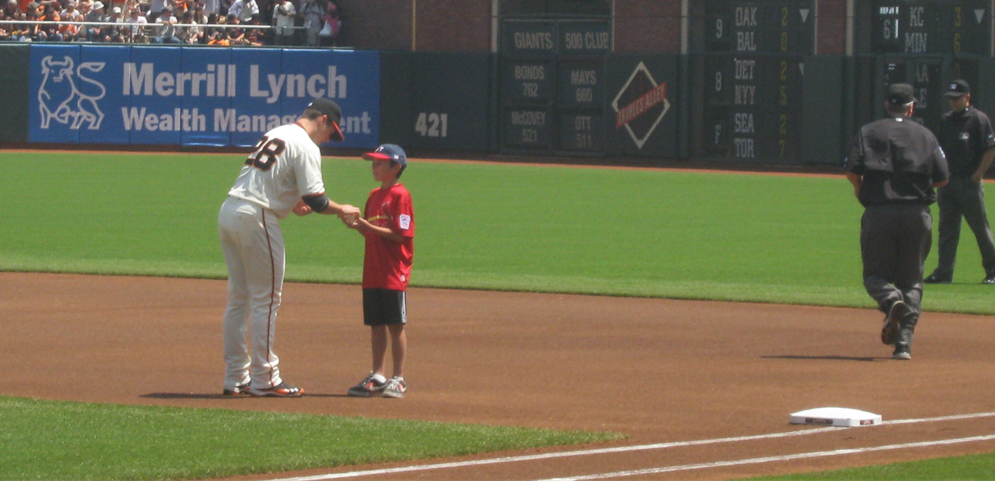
180,395
829,358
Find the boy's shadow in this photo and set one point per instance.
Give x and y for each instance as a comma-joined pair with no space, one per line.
828,358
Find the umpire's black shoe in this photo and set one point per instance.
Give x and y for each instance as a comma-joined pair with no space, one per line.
989,279
892,322
903,352
935,279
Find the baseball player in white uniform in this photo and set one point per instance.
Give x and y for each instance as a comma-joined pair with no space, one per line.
280,176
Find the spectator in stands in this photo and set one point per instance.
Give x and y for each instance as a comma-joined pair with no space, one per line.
199,14
333,24
235,9
49,31
70,31
6,29
217,35
210,6
284,15
96,14
313,13
155,9
250,9
20,32
137,24
114,33
166,32
188,31
255,36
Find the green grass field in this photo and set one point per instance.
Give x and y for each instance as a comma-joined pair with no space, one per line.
759,238
612,232
54,440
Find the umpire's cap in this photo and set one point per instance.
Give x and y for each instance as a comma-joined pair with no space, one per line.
391,152
957,89
334,113
900,94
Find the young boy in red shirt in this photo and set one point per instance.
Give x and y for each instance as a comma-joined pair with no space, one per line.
388,226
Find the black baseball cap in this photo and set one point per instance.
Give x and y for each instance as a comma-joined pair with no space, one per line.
334,113
957,89
900,94
391,152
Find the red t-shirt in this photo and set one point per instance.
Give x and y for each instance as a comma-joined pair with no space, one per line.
387,264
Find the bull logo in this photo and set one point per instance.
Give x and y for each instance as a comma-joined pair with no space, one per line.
64,99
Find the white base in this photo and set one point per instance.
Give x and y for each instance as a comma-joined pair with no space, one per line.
844,417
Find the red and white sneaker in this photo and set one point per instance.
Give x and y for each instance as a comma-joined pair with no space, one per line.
395,388
281,390
368,387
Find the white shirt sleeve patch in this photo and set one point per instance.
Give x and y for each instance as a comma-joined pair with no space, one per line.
404,221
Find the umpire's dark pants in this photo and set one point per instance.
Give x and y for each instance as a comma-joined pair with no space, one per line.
894,242
965,198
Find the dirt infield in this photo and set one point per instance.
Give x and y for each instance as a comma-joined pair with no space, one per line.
659,371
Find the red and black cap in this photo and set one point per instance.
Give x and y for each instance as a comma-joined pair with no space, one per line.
334,113
391,152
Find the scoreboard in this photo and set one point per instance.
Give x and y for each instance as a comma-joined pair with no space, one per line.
751,76
927,27
925,43
552,78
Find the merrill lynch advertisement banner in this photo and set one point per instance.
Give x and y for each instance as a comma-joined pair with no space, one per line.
195,95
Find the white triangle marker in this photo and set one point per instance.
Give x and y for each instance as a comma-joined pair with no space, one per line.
804,12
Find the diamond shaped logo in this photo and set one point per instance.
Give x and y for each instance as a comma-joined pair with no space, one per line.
640,105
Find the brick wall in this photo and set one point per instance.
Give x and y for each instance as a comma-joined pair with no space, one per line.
648,26
831,36
454,25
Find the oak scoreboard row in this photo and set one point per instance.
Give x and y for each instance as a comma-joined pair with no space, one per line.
783,26
552,84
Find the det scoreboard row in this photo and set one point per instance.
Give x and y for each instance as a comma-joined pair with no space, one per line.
753,106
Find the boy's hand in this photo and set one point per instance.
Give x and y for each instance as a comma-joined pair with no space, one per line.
350,220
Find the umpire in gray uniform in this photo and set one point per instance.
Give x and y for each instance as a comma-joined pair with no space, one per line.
894,164
968,141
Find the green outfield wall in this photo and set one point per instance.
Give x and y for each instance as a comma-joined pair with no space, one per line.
559,92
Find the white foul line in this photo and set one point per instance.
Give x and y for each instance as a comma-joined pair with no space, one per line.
626,449
771,459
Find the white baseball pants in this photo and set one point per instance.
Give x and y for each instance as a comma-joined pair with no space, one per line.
252,243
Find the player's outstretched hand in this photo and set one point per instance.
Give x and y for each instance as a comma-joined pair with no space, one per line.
302,209
349,215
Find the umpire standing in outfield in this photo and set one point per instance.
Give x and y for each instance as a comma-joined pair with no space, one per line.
894,164
969,143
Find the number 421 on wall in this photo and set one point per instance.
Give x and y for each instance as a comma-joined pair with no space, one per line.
432,124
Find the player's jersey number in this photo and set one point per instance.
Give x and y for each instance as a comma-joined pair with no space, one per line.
265,152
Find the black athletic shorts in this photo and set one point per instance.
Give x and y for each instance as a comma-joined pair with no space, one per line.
384,306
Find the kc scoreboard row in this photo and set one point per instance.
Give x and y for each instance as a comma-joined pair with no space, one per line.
925,27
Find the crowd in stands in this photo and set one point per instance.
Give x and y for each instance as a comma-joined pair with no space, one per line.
211,22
